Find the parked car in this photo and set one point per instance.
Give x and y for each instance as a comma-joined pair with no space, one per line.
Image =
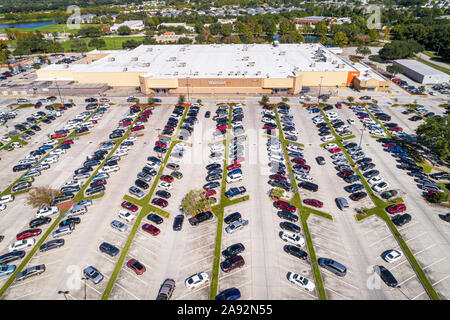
93,274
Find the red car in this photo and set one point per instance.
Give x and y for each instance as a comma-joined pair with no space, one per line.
313,202
222,127
58,135
209,193
167,178
28,234
396,208
269,126
161,144
142,119
97,182
335,150
160,202
233,166
395,129
136,266
147,112
168,127
345,173
238,160
338,105
125,124
137,128
363,116
130,206
389,145
283,205
298,160
277,177
68,141
151,229
94,121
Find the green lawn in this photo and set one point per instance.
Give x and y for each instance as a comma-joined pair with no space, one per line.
112,43
62,28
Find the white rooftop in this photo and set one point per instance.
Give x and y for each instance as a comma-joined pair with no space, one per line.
217,61
419,67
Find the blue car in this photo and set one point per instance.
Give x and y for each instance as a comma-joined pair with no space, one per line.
235,171
85,202
45,147
229,294
68,105
157,100
315,110
235,191
7,270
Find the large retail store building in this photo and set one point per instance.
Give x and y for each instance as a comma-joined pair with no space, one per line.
219,68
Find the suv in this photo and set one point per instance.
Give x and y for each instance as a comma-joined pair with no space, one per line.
166,290
109,249
202,216
235,216
232,263
233,250
93,274
284,214
308,186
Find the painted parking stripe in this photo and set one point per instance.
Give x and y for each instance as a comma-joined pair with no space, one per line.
434,263
195,249
418,295
134,276
441,280
104,256
233,273
301,290
407,226
318,225
193,291
374,243
120,286
416,236
73,298
405,281
186,265
142,247
28,282
321,236
93,288
327,249
26,295
338,293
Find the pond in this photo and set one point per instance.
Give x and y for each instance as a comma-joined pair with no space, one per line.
27,25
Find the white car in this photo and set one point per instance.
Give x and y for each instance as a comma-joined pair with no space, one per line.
47,211
340,161
50,160
21,244
303,177
293,147
235,226
382,186
132,139
6,139
292,238
50,142
57,152
109,169
124,148
116,224
2,207
72,183
300,281
7,198
16,145
392,255
330,146
165,185
124,214
196,280
339,155
120,152
375,180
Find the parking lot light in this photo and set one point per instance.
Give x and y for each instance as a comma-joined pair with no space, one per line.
84,278
64,293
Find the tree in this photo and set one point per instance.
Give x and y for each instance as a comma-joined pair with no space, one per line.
91,31
435,133
78,45
194,202
320,29
226,29
285,99
399,49
184,40
130,44
394,69
124,30
181,99
350,99
199,101
149,40
199,27
340,39
97,43
264,99
363,50
39,197
151,100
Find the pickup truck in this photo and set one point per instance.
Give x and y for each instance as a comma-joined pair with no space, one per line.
202,216
235,192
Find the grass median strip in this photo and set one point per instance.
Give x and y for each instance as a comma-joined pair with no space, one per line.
145,209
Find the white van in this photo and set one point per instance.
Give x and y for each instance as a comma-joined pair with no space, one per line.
7,198
76,210
234,177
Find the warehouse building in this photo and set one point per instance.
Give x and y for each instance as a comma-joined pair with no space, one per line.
212,69
422,73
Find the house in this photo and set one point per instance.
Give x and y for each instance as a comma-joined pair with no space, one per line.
134,25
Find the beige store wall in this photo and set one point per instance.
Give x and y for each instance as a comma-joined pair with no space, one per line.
114,79
330,79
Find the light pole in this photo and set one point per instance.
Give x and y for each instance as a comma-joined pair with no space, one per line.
320,89
362,133
84,278
64,293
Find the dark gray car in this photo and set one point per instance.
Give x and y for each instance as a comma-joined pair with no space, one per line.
52,244
166,290
12,256
29,272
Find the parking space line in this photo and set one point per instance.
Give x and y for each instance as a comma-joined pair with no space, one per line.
197,248
25,295
129,272
374,243
441,280
398,265
338,293
301,290
199,260
104,256
416,236
23,283
203,236
418,295
314,224
321,236
72,296
405,280
120,286
325,248
192,291
407,226
434,263
141,246
93,288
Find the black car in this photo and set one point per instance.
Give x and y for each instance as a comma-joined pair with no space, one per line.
64,197
178,222
295,251
367,166
233,250
282,184
35,128
70,221
213,177
115,135
358,196
235,216
401,219
81,130
386,276
320,160
39,222
12,256
37,152
207,114
21,167
141,184
109,249
350,145
308,186
211,185
352,178
163,194
91,163
83,170
155,218
371,173
284,214
111,163
289,226
213,166
159,149
363,161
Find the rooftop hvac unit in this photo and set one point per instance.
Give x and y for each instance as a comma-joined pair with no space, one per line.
251,64
134,59
230,73
334,62
112,59
125,69
258,73
312,65
245,73
245,58
182,64
196,73
66,66
172,58
275,43
175,73
282,53
238,73
219,73
147,64
340,66
149,49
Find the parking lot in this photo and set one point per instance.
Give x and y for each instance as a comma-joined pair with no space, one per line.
180,254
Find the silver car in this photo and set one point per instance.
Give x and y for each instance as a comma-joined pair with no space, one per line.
116,224
237,225
93,274
29,272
